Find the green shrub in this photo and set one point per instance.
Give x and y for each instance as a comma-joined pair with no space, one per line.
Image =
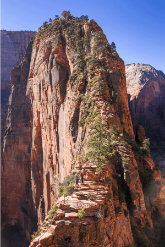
80,123
66,187
61,190
145,149
53,211
35,235
81,214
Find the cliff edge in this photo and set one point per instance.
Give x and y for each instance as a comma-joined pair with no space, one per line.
68,112
146,93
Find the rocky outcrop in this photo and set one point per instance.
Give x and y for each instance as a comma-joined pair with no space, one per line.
146,93
13,47
74,76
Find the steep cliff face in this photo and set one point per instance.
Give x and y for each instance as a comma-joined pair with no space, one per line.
74,77
146,92
17,204
13,47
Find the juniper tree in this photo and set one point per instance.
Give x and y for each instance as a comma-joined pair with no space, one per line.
84,17
113,46
45,23
100,149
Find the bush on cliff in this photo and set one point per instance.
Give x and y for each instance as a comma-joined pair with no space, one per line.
145,149
66,187
81,214
53,211
35,235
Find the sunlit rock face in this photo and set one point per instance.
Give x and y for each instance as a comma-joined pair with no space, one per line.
43,142
146,94
13,47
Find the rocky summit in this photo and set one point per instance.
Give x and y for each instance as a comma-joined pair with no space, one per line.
146,94
68,114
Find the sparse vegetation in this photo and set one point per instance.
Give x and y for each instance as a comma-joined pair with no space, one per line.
66,187
81,214
53,211
145,148
35,235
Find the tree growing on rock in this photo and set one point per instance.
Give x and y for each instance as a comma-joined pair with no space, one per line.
99,144
45,23
113,46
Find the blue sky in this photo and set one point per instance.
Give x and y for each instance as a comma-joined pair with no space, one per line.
136,26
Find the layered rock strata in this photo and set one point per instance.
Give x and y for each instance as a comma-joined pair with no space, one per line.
146,93
13,47
44,140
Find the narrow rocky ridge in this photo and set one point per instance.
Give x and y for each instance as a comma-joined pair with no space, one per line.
57,89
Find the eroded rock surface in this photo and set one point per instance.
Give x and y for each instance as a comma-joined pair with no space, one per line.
13,47
56,86
146,93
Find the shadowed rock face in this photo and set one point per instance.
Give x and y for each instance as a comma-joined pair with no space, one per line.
43,141
146,93
13,47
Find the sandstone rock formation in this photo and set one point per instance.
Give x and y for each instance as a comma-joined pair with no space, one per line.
71,75
13,47
146,93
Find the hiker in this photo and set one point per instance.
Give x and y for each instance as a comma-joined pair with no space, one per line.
81,176
77,180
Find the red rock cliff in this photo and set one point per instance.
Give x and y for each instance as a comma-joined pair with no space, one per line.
13,47
43,141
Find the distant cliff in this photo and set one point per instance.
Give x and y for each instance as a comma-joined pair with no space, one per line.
13,47
69,99
146,94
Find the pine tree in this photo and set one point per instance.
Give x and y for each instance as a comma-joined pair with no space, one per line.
100,149
113,46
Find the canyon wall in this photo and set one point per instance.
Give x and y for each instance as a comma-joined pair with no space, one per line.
13,47
146,93
67,75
